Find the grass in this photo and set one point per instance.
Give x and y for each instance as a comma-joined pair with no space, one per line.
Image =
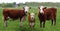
15,25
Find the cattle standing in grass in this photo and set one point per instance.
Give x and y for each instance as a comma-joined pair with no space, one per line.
47,14
31,19
15,14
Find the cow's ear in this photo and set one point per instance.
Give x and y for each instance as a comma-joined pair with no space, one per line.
29,7
38,7
45,7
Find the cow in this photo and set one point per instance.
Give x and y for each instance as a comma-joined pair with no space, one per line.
31,19
47,14
15,14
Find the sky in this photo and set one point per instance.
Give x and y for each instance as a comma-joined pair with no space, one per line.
23,1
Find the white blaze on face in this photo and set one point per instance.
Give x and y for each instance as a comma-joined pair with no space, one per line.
32,16
26,8
41,9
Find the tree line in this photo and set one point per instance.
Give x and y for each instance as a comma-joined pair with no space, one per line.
57,4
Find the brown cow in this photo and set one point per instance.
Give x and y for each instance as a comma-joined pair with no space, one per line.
47,14
15,14
31,19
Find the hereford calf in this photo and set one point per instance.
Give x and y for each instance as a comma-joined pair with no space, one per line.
47,14
31,19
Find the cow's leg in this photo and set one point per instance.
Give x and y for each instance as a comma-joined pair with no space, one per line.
55,21
21,21
23,18
32,24
52,22
43,24
5,21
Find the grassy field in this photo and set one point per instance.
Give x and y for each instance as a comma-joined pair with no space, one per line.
15,25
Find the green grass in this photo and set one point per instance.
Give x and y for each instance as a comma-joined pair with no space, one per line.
15,25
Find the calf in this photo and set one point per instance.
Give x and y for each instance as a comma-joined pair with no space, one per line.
15,14
47,14
31,19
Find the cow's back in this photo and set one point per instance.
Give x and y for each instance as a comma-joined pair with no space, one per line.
50,13
13,13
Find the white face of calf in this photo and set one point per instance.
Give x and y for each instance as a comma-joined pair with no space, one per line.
41,9
32,15
26,9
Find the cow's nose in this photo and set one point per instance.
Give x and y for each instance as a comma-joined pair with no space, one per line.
41,13
26,11
32,17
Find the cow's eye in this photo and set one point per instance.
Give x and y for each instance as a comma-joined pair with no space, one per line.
39,9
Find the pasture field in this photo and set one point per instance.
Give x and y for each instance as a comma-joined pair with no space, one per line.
15,25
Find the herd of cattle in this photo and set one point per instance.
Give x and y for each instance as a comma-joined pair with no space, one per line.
44,14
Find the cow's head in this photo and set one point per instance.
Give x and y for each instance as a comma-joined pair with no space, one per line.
41,9
26,8
32,15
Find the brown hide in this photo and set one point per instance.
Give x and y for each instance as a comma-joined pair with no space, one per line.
49,14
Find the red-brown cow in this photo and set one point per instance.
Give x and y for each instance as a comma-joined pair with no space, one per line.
15,14
31,19
47,14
